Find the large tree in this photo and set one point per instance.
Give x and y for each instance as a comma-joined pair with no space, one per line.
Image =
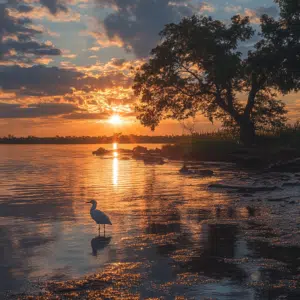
197,68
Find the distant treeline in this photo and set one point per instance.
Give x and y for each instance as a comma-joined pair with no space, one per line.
124,139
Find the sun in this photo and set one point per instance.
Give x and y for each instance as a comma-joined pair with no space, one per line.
115,120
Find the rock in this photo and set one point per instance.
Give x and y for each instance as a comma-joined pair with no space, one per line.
291,184
139,150
154,160
125,151
155,151
125,158
277,199
184,170
204,173
286,166
100,151
244,189
251,211
172,151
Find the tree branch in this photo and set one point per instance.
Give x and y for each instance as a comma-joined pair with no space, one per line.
252,94
190,72
229,108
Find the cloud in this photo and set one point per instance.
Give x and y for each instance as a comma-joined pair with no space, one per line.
18,42
87,116
9,111
233,8
255,14
54,6
42,12
138,23
37,80
31,47
118,62
24,8
45,81
102,39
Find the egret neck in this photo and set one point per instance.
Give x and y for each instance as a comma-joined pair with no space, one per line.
94,206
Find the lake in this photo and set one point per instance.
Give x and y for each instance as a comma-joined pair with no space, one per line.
171,234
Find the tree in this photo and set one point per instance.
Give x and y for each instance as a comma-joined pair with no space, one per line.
197,68
290,10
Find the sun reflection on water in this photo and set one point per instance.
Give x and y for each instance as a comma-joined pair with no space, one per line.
115,173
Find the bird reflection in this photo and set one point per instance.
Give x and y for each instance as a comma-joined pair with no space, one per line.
99,243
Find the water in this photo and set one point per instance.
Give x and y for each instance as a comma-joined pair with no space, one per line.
171,234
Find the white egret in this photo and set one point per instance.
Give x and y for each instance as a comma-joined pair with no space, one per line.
98,216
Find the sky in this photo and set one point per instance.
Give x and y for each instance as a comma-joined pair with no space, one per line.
66,66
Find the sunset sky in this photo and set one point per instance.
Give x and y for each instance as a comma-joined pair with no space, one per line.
66,65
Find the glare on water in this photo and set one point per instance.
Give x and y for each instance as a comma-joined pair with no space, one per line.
115,168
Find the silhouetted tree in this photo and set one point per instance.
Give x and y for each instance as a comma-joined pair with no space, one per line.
290,10
197,68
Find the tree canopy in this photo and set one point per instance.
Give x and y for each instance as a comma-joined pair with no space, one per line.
197,68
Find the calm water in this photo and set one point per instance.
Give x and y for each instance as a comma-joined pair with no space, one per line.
181,237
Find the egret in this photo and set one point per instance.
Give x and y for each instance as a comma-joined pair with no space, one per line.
98,216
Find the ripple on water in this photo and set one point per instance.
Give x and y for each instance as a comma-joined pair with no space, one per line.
172,236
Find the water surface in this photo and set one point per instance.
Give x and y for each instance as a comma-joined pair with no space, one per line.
178,237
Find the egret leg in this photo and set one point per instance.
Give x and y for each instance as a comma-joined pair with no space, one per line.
99,230
104,229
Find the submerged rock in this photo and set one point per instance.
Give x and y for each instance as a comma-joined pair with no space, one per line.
139,150
292,166
151,159
278,199
243,189
205,173
291,184
193,171
100,151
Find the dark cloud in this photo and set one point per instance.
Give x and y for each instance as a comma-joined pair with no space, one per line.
18,39
138,23
118,62
38,80
43,110
54,6
30,47
36,110
87,116
24,8
45,81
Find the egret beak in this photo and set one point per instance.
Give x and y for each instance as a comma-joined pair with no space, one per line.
88,202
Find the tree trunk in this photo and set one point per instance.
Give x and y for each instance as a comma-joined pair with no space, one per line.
247,132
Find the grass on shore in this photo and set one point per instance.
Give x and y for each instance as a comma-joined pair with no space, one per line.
223,146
